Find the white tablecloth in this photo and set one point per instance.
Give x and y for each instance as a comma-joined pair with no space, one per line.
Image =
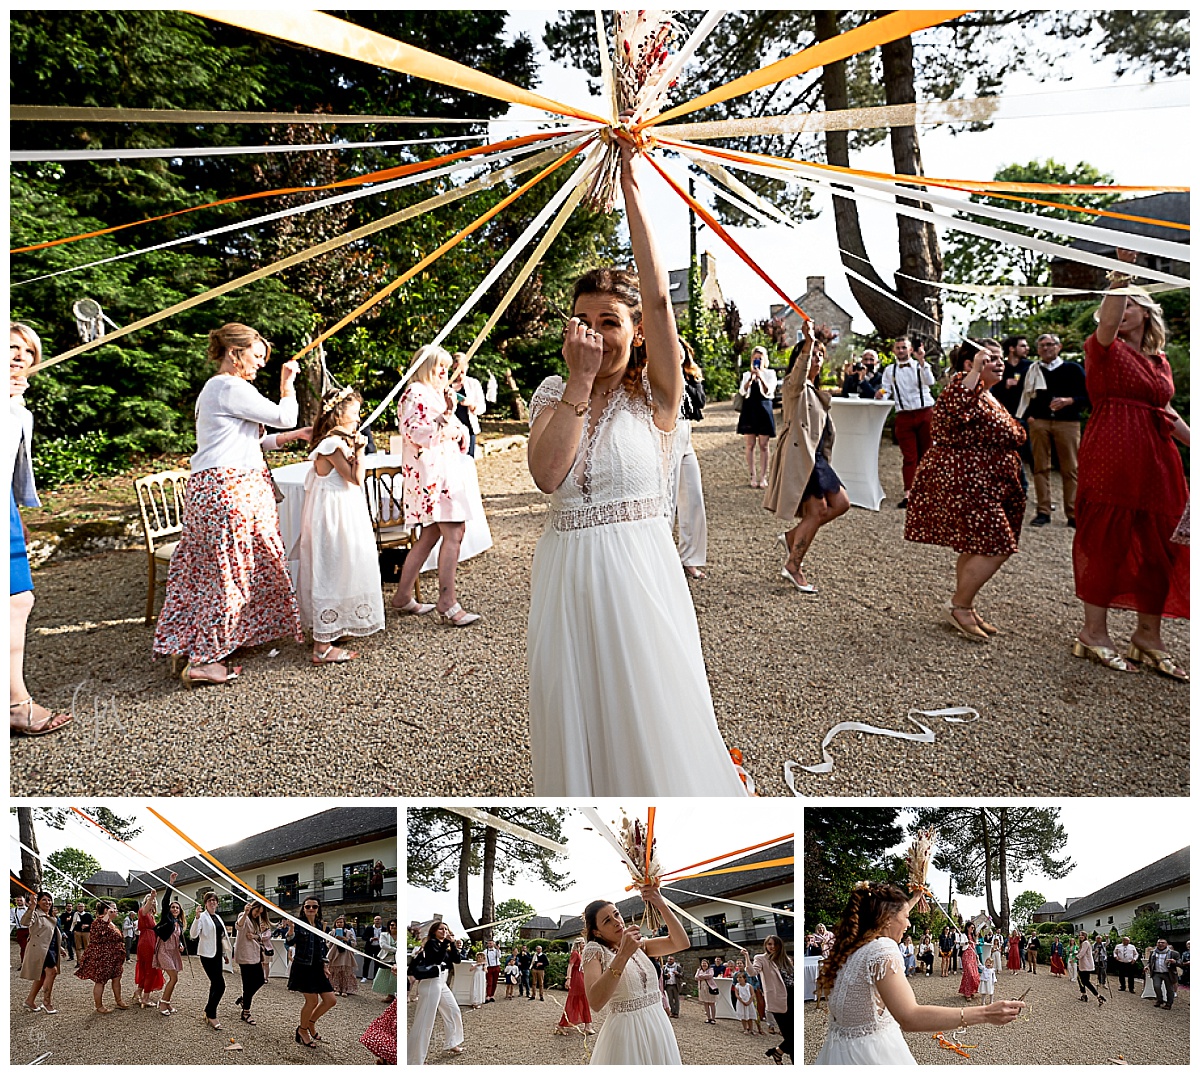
725,1008
812,967
859,425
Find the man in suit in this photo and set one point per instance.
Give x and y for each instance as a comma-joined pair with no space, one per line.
672,974
1163,970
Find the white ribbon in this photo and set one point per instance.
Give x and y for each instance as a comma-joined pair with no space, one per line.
337,199
482,817
953,715
50,865
606,69
599,824
171,152
733,903
707,929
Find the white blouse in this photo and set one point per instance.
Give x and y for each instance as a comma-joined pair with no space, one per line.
229,412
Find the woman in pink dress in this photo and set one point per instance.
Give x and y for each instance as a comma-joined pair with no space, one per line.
969,985
576,1013
435,486
146,976
169,950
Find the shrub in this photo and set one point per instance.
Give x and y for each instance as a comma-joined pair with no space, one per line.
556,972
67,459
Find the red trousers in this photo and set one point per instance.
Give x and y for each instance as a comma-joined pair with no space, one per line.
914,434
493,976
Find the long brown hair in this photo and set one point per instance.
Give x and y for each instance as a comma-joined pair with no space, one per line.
623,286
780,958
334,406
867,909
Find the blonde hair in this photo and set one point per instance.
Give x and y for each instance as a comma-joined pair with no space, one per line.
29,336
1154,331
231,340
425,361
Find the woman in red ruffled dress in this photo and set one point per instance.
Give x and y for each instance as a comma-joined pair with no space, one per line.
576,1013
1014,952
969,985
1132,491
147,976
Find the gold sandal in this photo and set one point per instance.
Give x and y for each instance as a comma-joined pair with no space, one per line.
1101,655
972,630
1157,660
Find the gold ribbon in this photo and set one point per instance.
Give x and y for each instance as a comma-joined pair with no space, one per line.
878,32
327,34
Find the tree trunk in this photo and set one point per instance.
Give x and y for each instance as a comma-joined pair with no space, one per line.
31,867
1004,907
519,409
987,866
309,387
464,877
920,255
488,911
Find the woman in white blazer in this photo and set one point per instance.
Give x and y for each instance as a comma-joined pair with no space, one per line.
212,946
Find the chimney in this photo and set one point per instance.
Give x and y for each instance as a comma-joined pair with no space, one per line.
816,283
708,266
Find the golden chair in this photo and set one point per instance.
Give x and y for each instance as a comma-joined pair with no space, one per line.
161,499
384,487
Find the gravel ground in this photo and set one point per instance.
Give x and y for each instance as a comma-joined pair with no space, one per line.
518,1032
783,666
78,1035
1058,1030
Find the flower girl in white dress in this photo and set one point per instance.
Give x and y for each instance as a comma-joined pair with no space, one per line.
339,588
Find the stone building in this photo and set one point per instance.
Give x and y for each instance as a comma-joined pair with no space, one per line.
821,308
710,289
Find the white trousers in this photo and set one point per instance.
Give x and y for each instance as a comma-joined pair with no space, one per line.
433,999
689,504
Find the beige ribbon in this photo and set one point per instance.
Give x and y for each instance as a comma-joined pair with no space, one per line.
57,114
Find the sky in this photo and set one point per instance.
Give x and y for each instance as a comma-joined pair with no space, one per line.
789,257
211,823
1099,840
596,872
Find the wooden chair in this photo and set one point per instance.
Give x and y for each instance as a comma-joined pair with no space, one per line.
384,487
161,499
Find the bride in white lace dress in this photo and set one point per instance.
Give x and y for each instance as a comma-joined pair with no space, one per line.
621,980
871,1003
619,702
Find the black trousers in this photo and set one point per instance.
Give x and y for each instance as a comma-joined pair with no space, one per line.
1125,975
1085,982
216,983
786,1021
253,979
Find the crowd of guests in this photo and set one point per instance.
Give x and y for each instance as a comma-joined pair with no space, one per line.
321,960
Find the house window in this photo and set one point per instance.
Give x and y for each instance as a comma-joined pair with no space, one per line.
1110,920
288,890
260,881
715,922
785,924
356,881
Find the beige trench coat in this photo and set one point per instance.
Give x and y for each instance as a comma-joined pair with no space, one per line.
41,928
805,408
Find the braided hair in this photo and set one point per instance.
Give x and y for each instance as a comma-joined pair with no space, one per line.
867,910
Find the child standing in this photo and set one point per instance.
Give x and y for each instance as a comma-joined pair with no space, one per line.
339,588
744,996
987,982
478,981
512,975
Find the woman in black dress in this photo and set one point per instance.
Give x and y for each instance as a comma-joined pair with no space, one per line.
307,975
757,421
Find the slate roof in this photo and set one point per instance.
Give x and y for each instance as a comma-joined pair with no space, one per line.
1174,869
1052,907
106,879
539,922
1170,206
725,884
342,826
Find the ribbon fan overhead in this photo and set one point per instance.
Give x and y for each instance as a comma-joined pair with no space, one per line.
639,71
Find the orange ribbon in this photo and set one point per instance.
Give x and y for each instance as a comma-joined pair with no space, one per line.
649,838
789,861
15,880
728,239
729,855
370,177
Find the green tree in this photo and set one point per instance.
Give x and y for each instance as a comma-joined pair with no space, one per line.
1024,906
843,845
1144,930
507,933
969,261
445,847
978,845
76,865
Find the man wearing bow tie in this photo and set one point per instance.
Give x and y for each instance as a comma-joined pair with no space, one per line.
907,382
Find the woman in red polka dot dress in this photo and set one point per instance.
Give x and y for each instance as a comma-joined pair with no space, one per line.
967,492
1132,490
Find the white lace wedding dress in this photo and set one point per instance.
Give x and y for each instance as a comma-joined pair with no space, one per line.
861,1029
637,1029
619,702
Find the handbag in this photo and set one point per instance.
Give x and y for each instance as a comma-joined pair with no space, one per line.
279,497
422,971
738,400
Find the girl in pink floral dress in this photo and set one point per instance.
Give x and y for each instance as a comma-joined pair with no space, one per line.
435,493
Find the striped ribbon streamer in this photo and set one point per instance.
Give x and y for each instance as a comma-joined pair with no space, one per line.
61,114
327,937
308,207
325,33
171,152
953,715
473,187
997,234
482,817
861,39
1104,99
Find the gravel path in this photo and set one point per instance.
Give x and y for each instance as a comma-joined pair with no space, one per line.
518,1031
1058,1030
784,667
78,1035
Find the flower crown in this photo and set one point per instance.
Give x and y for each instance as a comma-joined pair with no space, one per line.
343,394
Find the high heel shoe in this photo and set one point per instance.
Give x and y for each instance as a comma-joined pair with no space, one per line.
457,616
1101,655
971,630
803,588
413,608
301,1041
1157,660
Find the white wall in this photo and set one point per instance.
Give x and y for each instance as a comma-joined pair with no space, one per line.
1169,899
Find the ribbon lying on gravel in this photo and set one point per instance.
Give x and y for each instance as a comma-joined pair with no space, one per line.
953,715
